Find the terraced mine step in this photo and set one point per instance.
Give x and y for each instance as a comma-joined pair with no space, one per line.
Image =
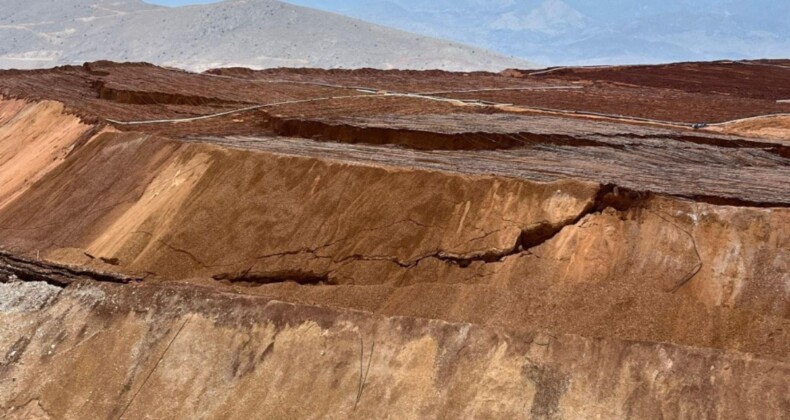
367,244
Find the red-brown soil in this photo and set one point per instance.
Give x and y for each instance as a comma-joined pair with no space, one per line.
760,79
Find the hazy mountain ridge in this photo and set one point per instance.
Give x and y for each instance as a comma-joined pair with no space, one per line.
589,31
250,33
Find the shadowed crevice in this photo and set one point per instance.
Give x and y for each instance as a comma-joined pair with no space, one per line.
252,279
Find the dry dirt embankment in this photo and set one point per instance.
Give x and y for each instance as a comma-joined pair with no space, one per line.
34,139
570,286
108,351
771,127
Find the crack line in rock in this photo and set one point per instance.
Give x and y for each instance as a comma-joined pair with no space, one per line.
697,268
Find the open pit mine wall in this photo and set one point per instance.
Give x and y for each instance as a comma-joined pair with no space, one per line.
576,259
100,350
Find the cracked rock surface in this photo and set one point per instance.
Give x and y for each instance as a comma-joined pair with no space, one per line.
386,256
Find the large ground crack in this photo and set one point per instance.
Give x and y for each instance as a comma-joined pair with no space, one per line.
608,196
28,269
304,278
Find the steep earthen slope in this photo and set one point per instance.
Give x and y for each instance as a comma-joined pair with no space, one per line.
34,139
594,266
176,351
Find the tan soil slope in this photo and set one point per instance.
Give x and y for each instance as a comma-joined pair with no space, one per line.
777,127
34,138
171,352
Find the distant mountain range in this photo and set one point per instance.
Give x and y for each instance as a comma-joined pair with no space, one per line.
562,32
249,33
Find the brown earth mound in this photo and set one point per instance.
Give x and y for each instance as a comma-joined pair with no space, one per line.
772,127
303,243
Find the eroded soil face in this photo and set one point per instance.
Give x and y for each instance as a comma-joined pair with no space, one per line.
308,243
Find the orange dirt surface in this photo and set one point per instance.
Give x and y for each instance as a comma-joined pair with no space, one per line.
554,245
775,127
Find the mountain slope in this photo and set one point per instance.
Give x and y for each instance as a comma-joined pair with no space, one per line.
251,33
561,32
